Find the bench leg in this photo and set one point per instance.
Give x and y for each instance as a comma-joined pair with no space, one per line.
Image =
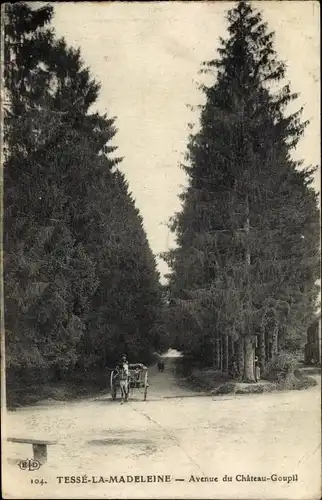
40,452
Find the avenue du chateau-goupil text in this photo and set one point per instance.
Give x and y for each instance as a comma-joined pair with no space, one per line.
84,479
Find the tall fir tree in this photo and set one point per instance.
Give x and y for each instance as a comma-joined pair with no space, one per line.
69,217
47,270
247,260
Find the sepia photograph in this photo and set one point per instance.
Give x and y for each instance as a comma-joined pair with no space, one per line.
160,250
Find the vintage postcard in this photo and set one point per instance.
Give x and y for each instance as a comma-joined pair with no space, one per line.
160,250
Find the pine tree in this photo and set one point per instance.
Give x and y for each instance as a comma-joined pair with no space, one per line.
242,264
46,269
79,272
127,301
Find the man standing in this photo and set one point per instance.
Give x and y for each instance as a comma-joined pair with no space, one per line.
123,373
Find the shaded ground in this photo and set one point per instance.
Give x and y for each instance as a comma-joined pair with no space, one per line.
215,382
80,386
180,436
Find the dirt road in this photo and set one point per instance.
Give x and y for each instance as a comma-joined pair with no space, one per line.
182,437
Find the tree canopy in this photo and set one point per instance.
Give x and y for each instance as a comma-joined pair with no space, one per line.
247,259
81,282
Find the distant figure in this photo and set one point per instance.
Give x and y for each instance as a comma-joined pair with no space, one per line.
122,371
233,373
161,365
257,370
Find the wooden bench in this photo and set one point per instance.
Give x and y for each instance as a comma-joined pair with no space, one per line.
39,447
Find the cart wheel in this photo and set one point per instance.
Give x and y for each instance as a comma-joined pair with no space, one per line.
113,388
146,385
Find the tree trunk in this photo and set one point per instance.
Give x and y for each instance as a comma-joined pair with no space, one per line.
214,354
267,352
226,353
217,354
249,368
275,343
262,350
248,374
232,349
231,352
241,356
221,355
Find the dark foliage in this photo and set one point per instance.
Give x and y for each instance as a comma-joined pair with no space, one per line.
247,259
81,283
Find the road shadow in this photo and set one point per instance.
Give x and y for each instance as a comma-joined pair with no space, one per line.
142,446
109,400
120,441
14,461
105,401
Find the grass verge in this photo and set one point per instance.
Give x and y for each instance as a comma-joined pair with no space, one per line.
20,394
218,383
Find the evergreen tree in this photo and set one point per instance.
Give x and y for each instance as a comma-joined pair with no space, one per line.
79,272
247,257
46,269
127,301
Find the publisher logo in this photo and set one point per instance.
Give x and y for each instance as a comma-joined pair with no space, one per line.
30,465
